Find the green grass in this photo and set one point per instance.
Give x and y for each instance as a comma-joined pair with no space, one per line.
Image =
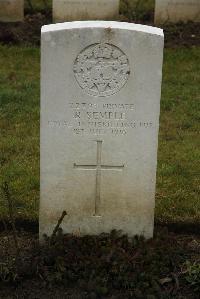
178,157
177,185
19,126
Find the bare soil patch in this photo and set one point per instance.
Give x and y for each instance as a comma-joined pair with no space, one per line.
107,266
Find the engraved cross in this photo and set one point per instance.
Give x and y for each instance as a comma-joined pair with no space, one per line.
98,167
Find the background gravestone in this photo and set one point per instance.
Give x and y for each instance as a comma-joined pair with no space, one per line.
100,99
177,10
11,10
75,10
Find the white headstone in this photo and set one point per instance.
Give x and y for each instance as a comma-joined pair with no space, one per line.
77,10
174,11
100,102
11,10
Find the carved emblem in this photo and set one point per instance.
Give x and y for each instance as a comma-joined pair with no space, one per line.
101,69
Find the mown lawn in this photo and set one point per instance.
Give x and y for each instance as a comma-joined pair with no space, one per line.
178,184
178,156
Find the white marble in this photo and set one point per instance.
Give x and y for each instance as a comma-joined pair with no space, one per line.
77,10
11,10
100,103
174,11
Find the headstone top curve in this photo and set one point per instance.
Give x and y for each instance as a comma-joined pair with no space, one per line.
102,24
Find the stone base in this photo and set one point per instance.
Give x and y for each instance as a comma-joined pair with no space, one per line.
174,11
11,10
80,10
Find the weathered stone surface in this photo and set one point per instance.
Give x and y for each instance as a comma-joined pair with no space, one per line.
100,98
174,11
11,10
77,10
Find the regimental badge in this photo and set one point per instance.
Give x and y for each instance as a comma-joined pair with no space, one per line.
101,69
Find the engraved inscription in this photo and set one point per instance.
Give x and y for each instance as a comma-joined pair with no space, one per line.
102,119
101,69
98,167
